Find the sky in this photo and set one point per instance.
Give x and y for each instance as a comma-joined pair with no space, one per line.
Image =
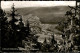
21,4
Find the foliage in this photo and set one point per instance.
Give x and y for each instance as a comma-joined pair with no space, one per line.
71,27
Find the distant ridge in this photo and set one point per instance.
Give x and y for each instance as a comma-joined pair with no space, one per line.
51,15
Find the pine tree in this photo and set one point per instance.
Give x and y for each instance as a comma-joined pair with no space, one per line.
11,31
12,22
4,29
71,28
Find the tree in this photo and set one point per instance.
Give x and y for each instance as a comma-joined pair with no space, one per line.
4,29
71,28
10,32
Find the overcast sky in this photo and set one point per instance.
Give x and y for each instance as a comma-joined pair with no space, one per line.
21,4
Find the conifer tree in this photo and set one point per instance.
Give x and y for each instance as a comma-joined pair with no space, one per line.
4,29
71,29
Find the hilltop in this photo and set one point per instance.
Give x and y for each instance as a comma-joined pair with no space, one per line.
51,15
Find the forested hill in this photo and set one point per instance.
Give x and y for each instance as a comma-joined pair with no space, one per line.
46,14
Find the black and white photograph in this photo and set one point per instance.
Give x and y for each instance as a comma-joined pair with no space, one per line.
40,26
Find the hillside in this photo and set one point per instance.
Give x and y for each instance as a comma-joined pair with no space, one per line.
46,14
